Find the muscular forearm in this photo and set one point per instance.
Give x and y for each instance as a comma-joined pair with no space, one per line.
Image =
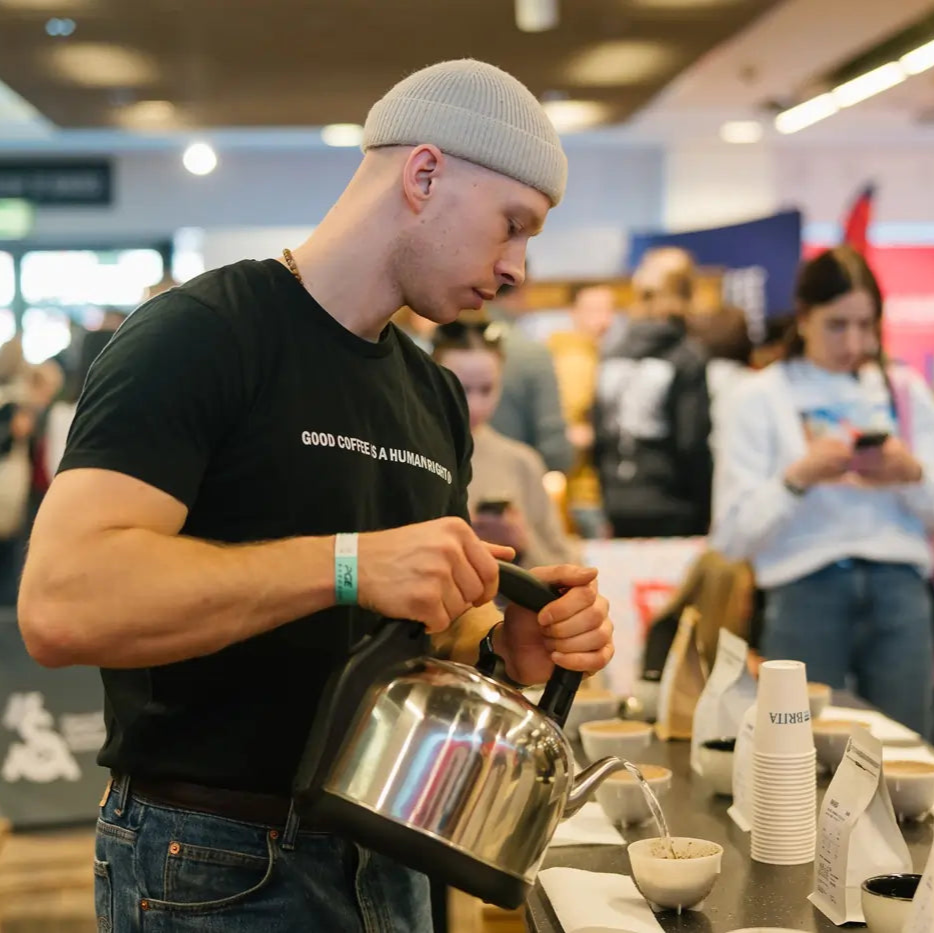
139,598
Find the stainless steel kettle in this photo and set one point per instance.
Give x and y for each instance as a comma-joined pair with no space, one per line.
442,767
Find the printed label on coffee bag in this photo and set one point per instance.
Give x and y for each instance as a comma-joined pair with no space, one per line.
921,916
857,833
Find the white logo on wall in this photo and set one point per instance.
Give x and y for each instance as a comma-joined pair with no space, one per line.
44,754
635,391
745,288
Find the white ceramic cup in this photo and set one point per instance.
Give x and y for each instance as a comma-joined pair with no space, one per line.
911,787
715,757
624,738
680,882
587,706
622,798
819,696
830,740
886,901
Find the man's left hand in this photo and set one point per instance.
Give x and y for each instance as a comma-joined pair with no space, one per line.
574,631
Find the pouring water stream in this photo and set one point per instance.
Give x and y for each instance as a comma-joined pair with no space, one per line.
655,807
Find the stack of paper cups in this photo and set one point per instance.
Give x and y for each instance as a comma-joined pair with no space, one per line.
784,785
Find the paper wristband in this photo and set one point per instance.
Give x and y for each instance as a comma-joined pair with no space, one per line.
345,569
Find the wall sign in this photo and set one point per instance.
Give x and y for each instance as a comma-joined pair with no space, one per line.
58,183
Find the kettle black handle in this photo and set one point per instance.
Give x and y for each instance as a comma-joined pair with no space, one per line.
520,587
393,642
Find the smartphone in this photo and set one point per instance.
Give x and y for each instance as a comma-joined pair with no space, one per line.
871,439
493,506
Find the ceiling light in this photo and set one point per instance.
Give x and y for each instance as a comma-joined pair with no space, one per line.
536,15
569,116
60,27
98,64
918,60
200,159
147,114
806,114
741,131
44,6
866,85
342,134
683,4
618,61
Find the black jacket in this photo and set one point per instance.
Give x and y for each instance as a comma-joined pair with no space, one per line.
652,422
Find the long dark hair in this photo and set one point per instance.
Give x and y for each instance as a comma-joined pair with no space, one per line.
826,277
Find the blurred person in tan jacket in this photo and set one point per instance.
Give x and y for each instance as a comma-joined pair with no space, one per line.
576,354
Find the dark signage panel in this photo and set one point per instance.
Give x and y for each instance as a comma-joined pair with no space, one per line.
79,184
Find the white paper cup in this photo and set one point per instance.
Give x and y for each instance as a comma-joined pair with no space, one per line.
911,787
783,714
800,815
800,846
621,796
770,832
784,776
787,761
784,856
789,779
780,798
622,738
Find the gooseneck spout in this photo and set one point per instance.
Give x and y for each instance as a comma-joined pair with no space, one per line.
589,780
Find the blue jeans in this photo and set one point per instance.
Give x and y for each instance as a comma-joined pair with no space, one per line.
867,621
163,870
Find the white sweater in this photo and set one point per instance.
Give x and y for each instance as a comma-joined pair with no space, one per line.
786,536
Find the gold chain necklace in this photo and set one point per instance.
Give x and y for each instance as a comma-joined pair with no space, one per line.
292,266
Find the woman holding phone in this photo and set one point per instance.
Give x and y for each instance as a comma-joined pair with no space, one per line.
824,480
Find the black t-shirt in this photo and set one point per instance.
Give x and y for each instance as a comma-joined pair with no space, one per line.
240,396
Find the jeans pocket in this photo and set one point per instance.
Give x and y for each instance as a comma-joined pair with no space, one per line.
103,897
201,879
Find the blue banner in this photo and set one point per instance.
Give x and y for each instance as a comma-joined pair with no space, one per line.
760,256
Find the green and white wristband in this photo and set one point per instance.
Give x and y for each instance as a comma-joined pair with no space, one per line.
345,569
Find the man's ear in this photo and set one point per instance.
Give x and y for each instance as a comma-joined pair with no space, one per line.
422,168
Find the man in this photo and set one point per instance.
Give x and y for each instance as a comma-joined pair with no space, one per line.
653,411
229,432
576,354
530,407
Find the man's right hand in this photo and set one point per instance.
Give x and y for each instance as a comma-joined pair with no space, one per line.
827,460
432,572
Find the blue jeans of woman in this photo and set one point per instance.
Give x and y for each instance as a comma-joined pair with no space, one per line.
164,870
863,624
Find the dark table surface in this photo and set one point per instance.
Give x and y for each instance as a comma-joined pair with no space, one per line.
747,893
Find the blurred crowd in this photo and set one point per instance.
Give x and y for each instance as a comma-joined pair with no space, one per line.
806,460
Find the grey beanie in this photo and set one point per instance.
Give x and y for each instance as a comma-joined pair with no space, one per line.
476,112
